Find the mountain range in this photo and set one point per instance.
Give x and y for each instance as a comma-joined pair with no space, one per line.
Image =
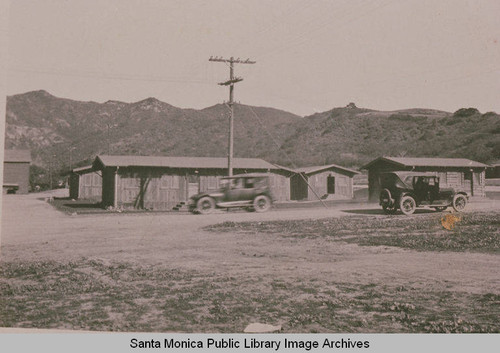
61,131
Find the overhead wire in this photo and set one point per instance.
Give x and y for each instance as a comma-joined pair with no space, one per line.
286,154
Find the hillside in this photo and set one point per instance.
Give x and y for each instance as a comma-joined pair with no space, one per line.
354,136
50,126
350,136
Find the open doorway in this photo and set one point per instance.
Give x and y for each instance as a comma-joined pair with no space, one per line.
330,184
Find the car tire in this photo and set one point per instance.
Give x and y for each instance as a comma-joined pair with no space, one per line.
440,208
407,204
205,205
261,203
459,202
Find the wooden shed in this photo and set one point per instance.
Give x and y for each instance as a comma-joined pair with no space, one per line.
16,171
160,183
452,172
493,170
330,182
85,183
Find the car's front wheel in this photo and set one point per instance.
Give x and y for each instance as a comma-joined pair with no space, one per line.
205,205
459,202
407,204
261,203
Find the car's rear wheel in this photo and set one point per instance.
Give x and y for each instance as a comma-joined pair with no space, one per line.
261,203
459,202
205,205
407,204
440,208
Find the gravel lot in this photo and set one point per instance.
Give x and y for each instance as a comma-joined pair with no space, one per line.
32,230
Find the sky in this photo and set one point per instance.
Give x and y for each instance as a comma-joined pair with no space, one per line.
310,56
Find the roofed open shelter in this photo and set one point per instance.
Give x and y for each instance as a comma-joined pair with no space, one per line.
462,173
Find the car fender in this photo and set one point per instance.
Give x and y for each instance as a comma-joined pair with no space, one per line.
407,193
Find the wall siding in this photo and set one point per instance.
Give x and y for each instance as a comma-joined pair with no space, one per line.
17,173
343,186
450,177
163,188
90,186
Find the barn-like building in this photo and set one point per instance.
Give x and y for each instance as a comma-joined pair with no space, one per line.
85,183
328,182
453,172
16,171
160,183
493,171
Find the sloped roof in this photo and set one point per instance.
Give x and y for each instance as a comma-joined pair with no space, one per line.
184,162
82,170
314,169
429,162
17,156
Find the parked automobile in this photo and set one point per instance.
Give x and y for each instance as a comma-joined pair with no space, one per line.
406,191
250,191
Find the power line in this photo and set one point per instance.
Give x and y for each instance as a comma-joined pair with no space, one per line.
286,155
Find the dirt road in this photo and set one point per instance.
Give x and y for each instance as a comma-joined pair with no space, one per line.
33,231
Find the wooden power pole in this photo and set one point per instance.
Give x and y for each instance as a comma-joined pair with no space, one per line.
232,80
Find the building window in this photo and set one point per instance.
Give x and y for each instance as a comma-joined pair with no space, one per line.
169,182
175,182
131,182
212,182
87,179
478,178
97,180
165,182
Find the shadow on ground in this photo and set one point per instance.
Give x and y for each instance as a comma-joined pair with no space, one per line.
379,211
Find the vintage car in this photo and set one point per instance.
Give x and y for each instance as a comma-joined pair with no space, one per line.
250,191
408,190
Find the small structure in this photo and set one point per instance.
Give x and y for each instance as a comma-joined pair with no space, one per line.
16,171
454,172
330,182
85,183
160,183
493,171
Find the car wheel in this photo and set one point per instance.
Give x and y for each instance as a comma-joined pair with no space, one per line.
261,203
205,205
459,202
407,204
440,208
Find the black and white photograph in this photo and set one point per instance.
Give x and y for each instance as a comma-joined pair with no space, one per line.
251,167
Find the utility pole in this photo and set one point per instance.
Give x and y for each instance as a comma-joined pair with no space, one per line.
230,83
71,149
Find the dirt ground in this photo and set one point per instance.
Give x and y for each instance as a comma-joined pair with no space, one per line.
32,230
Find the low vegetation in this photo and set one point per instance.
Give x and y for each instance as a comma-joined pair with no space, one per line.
476,232
96,295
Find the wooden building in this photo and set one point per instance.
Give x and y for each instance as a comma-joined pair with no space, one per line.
85,183
160,183
328,182
453,172
16,171
493,170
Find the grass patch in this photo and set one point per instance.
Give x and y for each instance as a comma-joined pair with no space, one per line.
92,295
477,232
